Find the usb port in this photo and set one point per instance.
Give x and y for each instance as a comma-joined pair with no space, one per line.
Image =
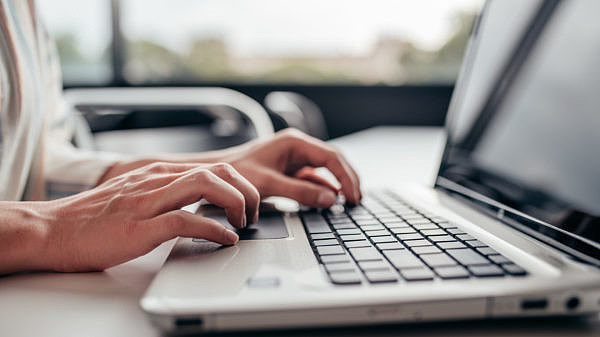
534,304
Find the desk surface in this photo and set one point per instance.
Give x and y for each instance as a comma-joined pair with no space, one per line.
106,304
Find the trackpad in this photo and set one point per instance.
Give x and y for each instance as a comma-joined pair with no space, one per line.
270,225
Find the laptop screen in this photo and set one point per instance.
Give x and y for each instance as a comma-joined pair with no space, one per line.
530,151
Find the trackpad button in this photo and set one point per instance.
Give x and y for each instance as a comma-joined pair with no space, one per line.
270,225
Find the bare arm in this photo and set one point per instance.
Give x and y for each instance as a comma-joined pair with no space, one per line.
137,204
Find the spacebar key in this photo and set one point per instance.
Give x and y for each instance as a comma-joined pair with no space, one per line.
315,223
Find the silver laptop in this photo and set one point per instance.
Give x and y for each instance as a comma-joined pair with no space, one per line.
511,227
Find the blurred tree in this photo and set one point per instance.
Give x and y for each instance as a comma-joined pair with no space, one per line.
208,60
68,49
147,61
441,65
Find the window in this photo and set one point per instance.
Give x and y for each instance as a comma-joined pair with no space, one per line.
82,32
356,42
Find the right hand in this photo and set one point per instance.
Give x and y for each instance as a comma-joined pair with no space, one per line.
131,214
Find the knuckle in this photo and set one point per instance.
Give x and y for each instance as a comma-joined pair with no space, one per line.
204,176
291,133
177,220
157,167
224,169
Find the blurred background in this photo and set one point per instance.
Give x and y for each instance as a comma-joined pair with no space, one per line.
363,63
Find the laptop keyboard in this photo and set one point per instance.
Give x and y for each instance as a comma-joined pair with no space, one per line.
384,239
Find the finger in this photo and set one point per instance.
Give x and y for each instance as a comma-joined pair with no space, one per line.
310,174
251,195
202,184
181,223
304,192
318,153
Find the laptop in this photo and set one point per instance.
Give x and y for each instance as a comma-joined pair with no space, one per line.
510,229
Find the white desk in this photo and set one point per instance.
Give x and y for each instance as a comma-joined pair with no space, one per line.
106,304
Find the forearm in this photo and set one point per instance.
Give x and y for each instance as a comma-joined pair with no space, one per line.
176,158
22,237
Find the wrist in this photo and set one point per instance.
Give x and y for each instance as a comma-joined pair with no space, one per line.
23,237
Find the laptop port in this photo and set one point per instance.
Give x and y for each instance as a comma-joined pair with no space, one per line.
572,303
188,322
534,304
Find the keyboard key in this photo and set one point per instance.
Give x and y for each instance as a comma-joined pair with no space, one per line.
430,232
417,274
348,231
381,276
467,257
377,233
499,259
455,231
328,259
338,267
390,219
365,254
344,220
364,218
403,259
389,245
345,278
486,271
396,224
411,215
442,238
421,221
452,272
344,226
487,251
476,243
438,219
371,222
315,223
426,226
352,237
372,227
357,244
404,230
451,245
330,250
438,260
446,225
426,250
321,236
327,242
465,237
374,265
383,239
414,236
417,243
514,270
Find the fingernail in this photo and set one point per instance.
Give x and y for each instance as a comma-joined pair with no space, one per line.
326,198
244,220
255,218
232,237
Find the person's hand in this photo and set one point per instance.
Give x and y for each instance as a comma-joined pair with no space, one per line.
284,166
129,215
281,166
